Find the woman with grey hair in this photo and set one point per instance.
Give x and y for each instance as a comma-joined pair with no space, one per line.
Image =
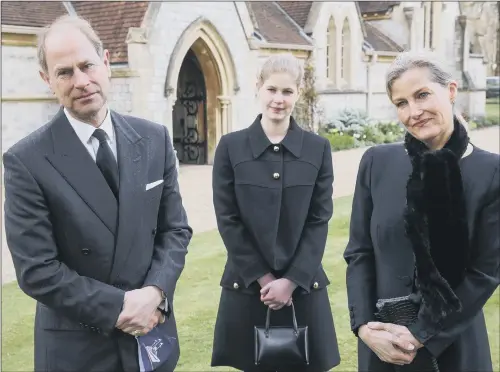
424,248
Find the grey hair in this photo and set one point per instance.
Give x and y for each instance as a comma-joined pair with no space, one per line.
438,72
421,59
281,63
67,21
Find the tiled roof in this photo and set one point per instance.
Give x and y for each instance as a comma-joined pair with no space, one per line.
380,7
298,10
111,21
379,41
274,25
31,13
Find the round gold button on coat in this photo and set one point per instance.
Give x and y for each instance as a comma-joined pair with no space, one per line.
276,176
276,148
315,285
236,286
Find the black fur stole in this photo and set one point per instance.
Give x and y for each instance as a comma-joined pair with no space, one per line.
436,222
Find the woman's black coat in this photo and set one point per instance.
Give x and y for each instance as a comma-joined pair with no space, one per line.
273,203
381,263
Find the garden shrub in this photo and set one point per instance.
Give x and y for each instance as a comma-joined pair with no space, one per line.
351,128
340,141
349,119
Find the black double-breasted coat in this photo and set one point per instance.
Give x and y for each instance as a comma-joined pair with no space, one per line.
381,263
273,203
77,249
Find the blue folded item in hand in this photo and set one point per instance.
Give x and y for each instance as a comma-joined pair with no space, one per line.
154,349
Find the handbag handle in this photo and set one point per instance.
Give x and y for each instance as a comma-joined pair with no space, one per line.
294,319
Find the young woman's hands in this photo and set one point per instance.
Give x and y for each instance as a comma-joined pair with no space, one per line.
277,293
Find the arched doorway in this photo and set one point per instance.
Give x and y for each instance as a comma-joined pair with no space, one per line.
189,114
200,75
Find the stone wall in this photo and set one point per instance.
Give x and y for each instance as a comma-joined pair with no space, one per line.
27,103
332,103
381,108
172,20
20,75
120,97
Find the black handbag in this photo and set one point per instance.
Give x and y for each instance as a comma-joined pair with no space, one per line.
404,311
278,346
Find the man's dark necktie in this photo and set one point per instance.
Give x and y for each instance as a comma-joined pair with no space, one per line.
106,161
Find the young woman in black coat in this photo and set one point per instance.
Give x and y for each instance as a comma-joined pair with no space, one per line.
425,222
272,193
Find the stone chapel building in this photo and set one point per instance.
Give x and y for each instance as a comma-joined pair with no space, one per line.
192,65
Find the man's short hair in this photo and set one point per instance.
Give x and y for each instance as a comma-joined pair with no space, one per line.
67,21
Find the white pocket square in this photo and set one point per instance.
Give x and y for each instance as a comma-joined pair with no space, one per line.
153,184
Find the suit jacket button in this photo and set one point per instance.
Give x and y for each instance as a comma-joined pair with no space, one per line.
153,231
315,285
236,285
276,176
85,251
276,148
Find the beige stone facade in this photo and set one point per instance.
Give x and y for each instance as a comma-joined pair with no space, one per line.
192,65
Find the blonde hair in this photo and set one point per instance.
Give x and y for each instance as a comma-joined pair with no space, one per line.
281,63
67,21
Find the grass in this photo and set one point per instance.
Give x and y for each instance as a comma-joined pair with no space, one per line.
196,303
493,108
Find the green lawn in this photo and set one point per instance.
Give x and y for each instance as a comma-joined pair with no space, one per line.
196,304
493,108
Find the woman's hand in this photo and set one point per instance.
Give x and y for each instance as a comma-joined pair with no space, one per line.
388,347
277,293
397,330
266,279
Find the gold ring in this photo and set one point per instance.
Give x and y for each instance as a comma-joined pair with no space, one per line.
136,333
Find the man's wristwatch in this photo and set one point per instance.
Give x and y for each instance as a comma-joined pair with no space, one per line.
165,309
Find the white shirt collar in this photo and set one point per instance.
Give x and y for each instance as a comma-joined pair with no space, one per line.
84,131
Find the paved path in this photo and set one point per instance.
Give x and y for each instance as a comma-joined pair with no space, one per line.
195,183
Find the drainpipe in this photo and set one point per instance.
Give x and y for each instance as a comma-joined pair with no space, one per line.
369,81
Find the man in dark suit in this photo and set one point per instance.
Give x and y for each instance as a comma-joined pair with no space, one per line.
93,216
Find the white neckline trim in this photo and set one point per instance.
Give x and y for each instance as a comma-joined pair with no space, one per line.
468,151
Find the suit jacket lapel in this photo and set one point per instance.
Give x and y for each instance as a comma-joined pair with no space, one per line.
131,163
72,160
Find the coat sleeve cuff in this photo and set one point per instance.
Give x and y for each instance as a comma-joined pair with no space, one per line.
253,272
425,333
359,318
299,277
